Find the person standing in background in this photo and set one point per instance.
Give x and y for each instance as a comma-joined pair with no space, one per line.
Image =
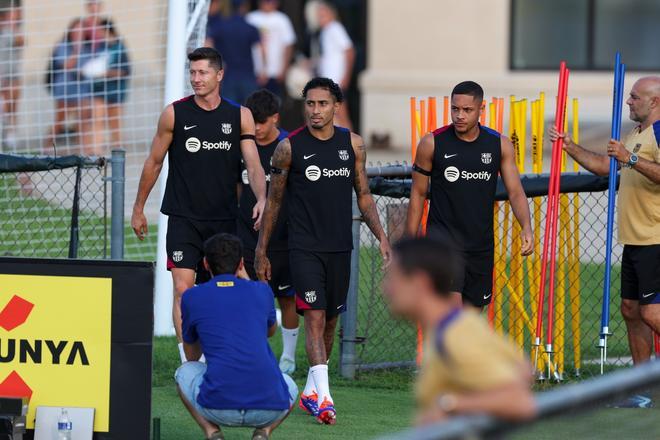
72,95
11,56
337,56
110,89
234,38
278,38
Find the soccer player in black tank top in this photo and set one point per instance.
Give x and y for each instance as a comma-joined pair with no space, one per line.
319,166
200,198
265,108
462,161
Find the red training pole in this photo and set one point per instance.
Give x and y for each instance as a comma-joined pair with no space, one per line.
552,201
554,217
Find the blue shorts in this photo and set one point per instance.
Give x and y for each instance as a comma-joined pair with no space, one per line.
189,377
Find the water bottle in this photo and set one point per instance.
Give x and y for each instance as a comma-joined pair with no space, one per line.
64,426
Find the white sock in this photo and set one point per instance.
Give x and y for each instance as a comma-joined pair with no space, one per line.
289,341
182,353
310,386
320,374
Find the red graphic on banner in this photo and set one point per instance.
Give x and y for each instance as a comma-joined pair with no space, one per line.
14,386
15,313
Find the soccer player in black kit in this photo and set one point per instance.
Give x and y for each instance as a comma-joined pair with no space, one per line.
319,166
205,136
462,161
265,108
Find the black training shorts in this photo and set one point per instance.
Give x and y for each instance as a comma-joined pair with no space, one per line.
185,242
280,275
473,277
640,273
320,280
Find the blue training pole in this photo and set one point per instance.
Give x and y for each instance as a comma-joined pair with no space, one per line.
619,74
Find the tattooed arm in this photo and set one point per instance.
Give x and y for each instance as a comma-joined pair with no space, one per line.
365,200
281,163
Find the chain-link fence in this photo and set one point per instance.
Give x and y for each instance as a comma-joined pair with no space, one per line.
382,341
54,207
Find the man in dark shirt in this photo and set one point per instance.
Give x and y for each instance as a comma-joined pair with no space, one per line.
229,319
234,38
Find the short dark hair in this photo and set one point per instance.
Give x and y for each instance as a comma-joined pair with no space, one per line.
223,252
324,83
433,257
207,53
263,104
108,25
469,88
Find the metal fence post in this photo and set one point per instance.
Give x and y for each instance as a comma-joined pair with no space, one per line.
118,161
347,357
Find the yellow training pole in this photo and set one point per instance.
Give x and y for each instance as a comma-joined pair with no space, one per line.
492,123
501,272
515,266
574,259
519,275
538,161
531,274
509,252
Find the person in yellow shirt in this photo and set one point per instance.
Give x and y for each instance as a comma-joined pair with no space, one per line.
467,368
638,214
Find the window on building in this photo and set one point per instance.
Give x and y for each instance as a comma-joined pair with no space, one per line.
585,33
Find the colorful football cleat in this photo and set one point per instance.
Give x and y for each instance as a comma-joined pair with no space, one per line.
326,413
309,404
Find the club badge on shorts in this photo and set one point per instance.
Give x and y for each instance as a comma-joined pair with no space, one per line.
486,158
226,128
177,256
343,154
310,296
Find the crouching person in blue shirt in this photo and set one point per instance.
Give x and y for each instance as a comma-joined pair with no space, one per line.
229,319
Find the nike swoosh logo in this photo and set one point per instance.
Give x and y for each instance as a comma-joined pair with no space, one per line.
649,294
447,156
307,157
340,307
186,127
487,296
283,287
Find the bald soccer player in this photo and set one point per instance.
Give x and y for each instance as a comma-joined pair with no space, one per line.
638,216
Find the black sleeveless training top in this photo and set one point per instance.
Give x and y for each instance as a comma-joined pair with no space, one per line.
279,238
463,183
204,161
319,191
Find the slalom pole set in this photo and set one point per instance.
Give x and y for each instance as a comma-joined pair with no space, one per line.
617,106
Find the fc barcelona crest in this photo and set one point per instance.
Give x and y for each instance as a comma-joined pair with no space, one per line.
486,158
226,128
343,154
